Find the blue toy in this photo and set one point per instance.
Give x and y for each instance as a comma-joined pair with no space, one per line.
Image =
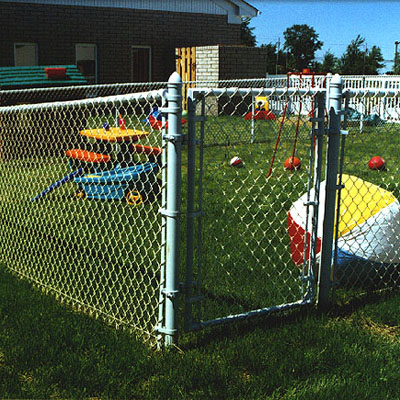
59,183
136,184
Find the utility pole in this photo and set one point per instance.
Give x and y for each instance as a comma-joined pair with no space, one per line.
396,57
277,55
365,54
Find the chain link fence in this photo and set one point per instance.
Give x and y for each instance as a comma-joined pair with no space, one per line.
367,255
255,158
84,201
80,194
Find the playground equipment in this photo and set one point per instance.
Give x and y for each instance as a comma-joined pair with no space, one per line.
136,184
99,176
367,232
290,75
261,110
278,138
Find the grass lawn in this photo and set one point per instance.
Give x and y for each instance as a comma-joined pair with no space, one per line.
48,351
103,258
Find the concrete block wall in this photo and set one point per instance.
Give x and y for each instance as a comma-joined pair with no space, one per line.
207,63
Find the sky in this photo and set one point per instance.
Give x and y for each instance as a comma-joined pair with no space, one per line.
336,22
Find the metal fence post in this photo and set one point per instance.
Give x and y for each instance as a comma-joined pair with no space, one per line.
190,212
173,207
335,105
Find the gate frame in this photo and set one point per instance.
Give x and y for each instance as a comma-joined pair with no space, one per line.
194,96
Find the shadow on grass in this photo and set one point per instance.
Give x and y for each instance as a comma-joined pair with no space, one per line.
286,318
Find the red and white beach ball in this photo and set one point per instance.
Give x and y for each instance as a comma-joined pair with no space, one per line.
368,232
236,162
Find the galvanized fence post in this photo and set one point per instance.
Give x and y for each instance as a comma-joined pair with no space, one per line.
335,106
172,212
190,212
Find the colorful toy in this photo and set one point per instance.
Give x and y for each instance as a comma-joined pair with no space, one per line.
81,161
59,183
136,184
377,163
154,119
261,111
121,123
236,162
292,163
368,232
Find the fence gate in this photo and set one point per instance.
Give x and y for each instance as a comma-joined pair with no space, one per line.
249,255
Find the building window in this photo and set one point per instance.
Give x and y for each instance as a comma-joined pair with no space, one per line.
86,61
141,64
25,54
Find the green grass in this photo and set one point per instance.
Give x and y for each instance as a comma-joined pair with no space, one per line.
103,258
48,351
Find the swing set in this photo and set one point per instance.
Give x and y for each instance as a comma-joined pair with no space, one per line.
293,163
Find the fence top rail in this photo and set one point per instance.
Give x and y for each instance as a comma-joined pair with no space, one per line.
151,95
87,88
364,93
281,92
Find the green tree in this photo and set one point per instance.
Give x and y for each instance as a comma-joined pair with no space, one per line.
352,61
301,42
275,63
329,63
374,61
396,65
247,36
271,65
357,59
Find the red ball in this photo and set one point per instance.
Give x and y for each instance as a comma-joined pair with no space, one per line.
377,163
292,163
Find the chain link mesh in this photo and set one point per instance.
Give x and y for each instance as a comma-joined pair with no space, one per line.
245,247
80,197
369,227
80,212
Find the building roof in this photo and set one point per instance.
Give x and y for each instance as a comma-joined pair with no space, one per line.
234,9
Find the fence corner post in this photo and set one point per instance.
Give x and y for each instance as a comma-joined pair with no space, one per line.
173,207
335,107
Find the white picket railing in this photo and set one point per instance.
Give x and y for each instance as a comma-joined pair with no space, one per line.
387,108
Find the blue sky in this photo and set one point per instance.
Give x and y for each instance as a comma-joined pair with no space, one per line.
336,22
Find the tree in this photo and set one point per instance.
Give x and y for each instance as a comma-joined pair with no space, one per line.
396,64
359,60
301,42
329,63
271,57
352,61
247,36
374,61
275,62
